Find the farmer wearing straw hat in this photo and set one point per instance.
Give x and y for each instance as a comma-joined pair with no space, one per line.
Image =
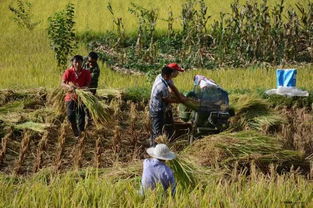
160,99
75,77
155,171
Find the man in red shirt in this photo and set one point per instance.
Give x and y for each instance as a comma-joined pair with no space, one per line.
73,78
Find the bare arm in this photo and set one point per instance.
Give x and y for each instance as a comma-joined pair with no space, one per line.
180,97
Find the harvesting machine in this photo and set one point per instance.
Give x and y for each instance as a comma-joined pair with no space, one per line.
206,111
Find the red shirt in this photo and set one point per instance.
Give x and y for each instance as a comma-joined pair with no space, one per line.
79,80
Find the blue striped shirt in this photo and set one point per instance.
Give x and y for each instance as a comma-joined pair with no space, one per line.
159,91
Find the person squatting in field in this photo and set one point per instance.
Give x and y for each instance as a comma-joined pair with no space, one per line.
75,77
92,65
155,171
159,108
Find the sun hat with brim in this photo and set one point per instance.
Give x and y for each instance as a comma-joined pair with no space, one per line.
161,151
175,67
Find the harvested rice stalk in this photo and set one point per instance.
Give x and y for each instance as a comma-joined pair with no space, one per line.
60,147
253,113
243,148
184,172
192,104
23,149
98,153
99,112
79,151
4,144
40,150
56,100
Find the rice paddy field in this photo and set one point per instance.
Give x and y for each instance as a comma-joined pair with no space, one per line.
263,159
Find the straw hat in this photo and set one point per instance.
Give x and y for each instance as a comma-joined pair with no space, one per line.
162,152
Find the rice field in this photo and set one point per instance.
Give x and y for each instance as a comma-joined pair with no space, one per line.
42,165
72,189
27,60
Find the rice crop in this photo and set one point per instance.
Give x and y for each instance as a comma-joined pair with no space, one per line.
99,188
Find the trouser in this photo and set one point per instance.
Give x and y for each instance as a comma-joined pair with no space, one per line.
76,112
93,91
158,120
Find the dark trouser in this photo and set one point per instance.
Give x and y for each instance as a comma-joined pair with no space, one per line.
76,112
158,120
93,91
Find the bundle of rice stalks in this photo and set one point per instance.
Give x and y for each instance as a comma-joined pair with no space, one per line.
56,100
39,127
110,93
99,112
184,173
227,149
253,113
192,104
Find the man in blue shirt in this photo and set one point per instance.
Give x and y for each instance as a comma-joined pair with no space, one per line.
160,98
155,171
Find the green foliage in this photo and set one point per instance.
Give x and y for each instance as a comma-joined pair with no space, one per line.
137,94
23,14
251,34
61,34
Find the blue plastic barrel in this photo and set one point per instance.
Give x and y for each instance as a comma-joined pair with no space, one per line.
286,77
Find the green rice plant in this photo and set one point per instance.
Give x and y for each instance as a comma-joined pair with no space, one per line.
100,188
99,112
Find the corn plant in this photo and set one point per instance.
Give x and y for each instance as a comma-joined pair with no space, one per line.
118,23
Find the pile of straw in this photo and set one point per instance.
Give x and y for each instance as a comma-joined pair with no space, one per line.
227,149
253,113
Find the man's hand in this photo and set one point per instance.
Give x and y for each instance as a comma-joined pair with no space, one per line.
183,98
71,87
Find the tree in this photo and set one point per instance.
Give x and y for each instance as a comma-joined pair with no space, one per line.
61,34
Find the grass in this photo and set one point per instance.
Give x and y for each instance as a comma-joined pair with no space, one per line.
73,190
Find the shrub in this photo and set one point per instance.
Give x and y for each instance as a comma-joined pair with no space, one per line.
61,34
